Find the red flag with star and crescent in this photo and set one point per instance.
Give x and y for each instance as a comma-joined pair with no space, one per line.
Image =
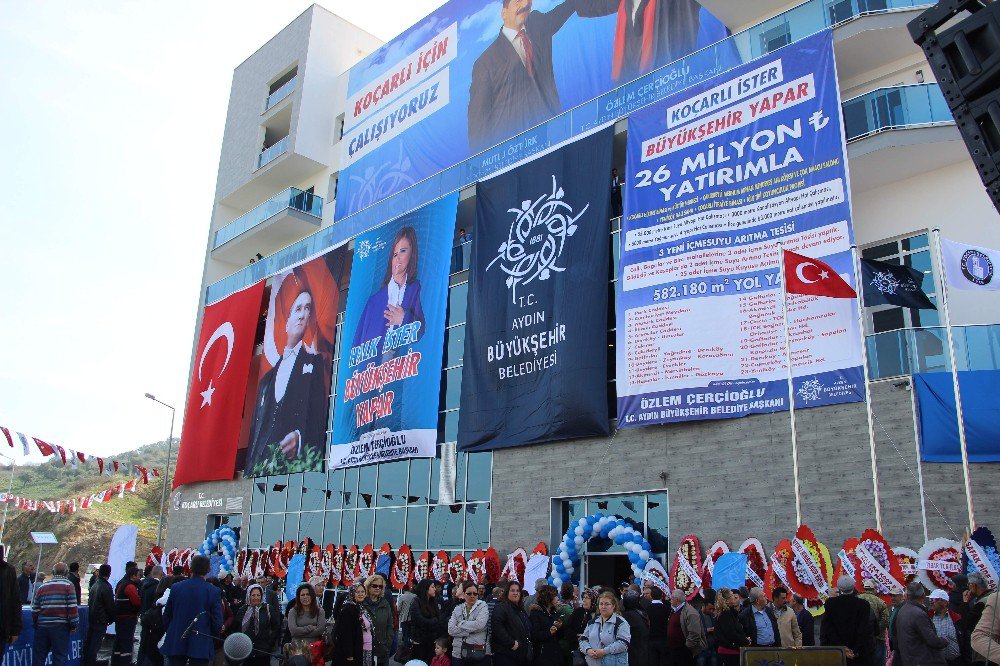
812,277
217,389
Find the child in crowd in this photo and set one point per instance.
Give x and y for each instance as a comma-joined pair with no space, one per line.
441,650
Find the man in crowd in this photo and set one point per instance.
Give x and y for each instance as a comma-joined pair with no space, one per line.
708,655
685,634
659,615
25,581
127,605
10,604
147,589
743,592
881,613
896,602
945,623
807,625
178,570
74,579
916,641
986,635
974,601
102,613
758,621
848,621
193,615
55,616
788,624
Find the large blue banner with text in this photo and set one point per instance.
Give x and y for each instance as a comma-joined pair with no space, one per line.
535,367
393,339
717,177
474,74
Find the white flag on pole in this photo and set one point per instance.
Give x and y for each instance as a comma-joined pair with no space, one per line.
969,267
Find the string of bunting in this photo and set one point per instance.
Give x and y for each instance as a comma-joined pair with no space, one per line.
73,458
74,504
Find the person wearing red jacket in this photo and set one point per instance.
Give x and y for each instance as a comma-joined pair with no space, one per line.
127,605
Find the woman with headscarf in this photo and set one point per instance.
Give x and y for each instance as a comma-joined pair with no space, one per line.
425,620
582,614
352,631
255,619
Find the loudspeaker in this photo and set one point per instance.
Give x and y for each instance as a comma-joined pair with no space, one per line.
971,50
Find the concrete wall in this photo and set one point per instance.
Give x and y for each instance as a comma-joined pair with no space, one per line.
186,526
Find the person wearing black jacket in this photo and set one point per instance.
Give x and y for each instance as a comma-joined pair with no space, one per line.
151,621
10,604
755,613
348,632
256,620
658,653
728,629
25,582
102,613
638,623
510,634
582,615
425,620
849,621
546,628
147,589
74,578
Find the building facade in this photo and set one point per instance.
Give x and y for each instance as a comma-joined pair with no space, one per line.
725,479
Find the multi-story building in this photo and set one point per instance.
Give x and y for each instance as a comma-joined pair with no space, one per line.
726,479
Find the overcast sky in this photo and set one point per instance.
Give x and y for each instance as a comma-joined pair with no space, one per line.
112,116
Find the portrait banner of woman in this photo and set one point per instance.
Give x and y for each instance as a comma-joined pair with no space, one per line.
393,339
291,409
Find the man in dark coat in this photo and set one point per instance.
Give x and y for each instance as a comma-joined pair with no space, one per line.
102,613
849,621
917,643
10,604
807,625
147,588
193,615
25,581
74,578
759,622
513,83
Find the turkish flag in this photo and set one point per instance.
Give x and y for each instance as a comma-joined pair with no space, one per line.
218,388
812,277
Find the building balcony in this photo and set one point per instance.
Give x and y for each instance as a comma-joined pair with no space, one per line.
898,132
909,351
738,13
281,93
282,219
272,152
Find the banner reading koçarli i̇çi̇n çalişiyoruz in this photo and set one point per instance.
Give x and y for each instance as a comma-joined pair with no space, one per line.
717,177
291,406
393,339
535,366
474,74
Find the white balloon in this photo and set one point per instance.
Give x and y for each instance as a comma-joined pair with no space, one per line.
579,540
643,554
570,568
581,522
556,582
578,531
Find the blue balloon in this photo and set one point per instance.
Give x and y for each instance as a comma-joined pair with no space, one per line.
620,539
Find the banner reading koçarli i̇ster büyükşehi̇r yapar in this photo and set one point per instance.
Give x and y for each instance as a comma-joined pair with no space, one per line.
717,176
386,406
473,74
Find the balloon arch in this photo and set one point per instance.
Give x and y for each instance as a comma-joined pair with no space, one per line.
567,557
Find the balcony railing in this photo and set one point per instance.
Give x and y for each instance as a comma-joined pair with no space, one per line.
911,350
269,154
797,23
281,93
892,108
293,198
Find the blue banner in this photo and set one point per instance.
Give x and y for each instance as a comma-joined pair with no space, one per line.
939,423
21,652
717,177
472,75
393,338
535,367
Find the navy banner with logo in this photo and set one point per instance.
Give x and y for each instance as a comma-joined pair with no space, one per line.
536,344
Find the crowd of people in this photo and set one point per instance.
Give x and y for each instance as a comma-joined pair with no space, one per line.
184,619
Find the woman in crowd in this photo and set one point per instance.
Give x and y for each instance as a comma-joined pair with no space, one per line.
254,619
152,623
425,621
546,628
728,629
467,628
379,609
638,624
305,618
510,629
582,615
605,640
352,632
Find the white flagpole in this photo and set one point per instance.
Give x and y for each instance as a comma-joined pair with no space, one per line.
859,288
954,380
920,466
791,388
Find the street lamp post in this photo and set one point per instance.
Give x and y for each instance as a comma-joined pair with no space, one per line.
166,473
10,488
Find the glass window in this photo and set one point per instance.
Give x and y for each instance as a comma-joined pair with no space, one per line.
257,495
454,346
457,300
915,242
293,494
274,494
445,527
347,528
460,465
351,488
435,479
451,389
392,485
335,484
448,426
480,476
477,525
311,526
313,491
657,516
272,528
254,539
291,528
366,487
419,477
880,251
416,527
615,253
331,527
389,527
363,528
